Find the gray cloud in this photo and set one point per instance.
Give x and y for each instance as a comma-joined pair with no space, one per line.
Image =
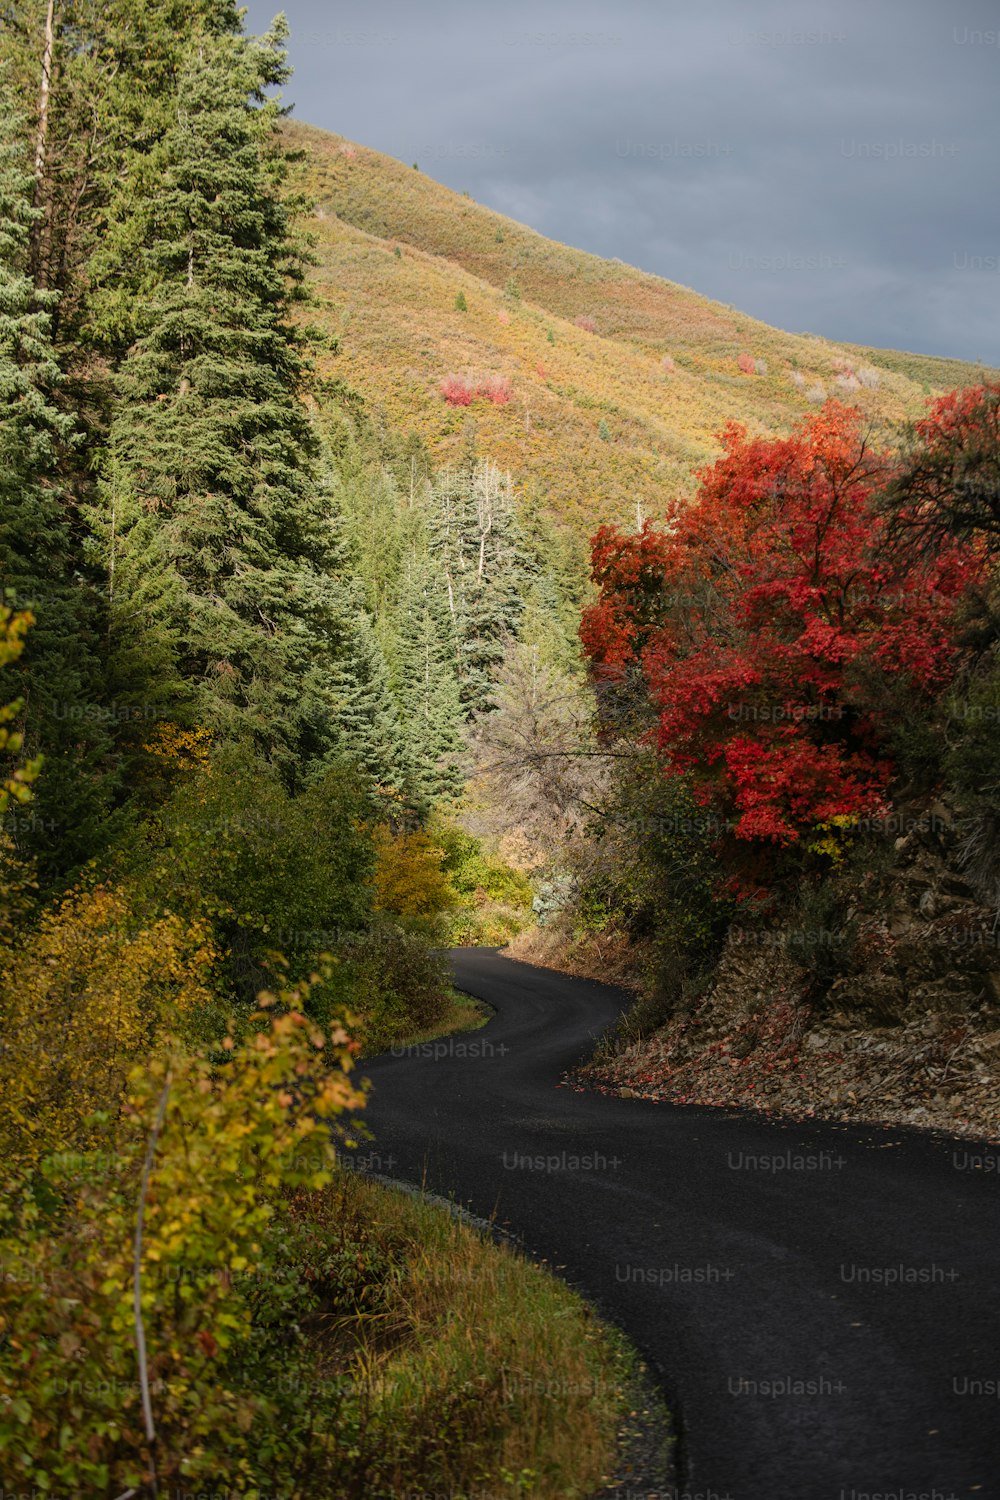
832,170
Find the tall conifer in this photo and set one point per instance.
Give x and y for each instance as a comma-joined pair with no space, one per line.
211,436
64,717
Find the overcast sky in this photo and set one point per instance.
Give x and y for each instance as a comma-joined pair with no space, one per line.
828,168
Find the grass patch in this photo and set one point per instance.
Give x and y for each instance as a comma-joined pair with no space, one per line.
457,1366
464,1013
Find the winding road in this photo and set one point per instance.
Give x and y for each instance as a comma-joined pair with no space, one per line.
820,1302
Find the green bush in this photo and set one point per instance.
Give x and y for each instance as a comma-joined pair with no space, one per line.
273,872
397,985
472,872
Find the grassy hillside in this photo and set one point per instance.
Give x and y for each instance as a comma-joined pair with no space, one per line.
602,417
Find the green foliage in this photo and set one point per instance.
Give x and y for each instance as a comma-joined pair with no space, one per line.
209,431
460,303
58,676
472,872
272,870
660,875
427,687
396,984
476,541
367,724
972,716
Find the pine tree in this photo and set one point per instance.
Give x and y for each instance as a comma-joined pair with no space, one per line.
427,688
100,76
368,727
476,541
64,717
211,436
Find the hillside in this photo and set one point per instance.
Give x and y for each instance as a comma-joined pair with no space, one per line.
658,369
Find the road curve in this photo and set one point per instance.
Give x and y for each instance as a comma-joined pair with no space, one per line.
821,1302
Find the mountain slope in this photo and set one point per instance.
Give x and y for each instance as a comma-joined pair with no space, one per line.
602,418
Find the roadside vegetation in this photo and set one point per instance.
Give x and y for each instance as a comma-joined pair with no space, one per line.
794,851
240,672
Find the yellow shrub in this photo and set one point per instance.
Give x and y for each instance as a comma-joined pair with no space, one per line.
80,1004
409,881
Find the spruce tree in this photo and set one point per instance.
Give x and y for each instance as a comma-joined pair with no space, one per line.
64,715
476,541
211,437
427,687
368,727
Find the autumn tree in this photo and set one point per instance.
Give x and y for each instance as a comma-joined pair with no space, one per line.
765,620
947,481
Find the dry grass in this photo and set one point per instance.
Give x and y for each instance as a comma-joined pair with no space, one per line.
472,1370
660,369
608,956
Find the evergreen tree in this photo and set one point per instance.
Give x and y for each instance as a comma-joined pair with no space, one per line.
210,435
476,541
368,727
427,688
64,716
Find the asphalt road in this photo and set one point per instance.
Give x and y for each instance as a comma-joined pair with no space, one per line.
822,1303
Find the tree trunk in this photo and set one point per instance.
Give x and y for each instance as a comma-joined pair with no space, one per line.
43,98
39,233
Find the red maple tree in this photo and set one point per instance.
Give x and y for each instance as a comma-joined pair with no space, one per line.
761,620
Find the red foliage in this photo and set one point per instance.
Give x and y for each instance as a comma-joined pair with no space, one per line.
745,362
496,388
766,621
456,391
586,322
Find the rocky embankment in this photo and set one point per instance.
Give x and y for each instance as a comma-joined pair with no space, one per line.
891,1015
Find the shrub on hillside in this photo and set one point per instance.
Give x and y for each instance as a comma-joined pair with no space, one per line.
456,390
270,870
586,322
745,363
461,390
495,388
